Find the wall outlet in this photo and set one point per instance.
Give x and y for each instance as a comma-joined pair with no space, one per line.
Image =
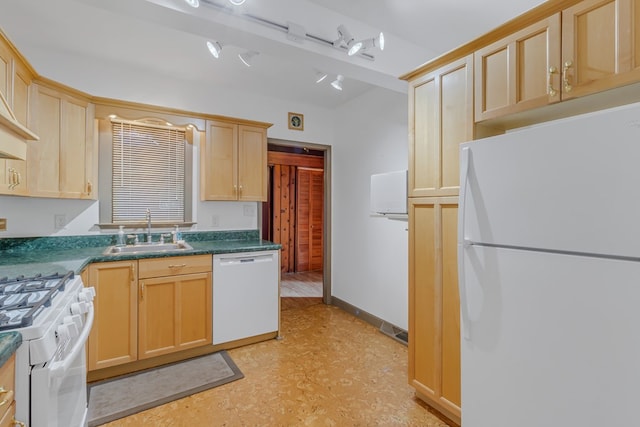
249,210
215,221
59,221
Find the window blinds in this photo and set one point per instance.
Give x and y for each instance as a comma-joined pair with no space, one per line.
148,172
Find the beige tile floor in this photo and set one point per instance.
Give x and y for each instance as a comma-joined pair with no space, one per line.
329,369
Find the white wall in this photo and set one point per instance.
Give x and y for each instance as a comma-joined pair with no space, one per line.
370,253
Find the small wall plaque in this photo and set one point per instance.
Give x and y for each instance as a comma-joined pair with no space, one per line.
296,121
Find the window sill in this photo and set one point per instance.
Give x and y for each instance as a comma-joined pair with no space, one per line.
142,224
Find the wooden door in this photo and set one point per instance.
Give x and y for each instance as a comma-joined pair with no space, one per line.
440,118
284,214
252,168
519,72
309,219
219,162
434,314
600,46
114,335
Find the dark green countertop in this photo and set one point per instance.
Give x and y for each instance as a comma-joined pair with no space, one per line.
47,255
26,256
9,343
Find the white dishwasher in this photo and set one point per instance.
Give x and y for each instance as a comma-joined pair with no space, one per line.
245,295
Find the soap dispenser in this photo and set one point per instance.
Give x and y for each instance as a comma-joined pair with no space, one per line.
121,238
177,235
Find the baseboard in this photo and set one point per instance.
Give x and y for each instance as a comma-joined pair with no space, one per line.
383,326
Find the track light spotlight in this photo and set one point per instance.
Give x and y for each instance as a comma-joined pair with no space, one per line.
320,76
345,36
374,42
247,57
236,2
337,83
214,48
193,3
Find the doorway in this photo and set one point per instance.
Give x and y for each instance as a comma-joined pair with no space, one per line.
296,216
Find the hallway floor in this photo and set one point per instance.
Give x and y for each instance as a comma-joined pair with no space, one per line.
329,369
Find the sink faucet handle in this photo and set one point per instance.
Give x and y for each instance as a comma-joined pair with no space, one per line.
134,237
162,236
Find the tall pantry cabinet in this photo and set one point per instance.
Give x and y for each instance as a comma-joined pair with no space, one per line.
440,118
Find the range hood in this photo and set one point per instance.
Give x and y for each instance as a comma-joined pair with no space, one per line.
13,135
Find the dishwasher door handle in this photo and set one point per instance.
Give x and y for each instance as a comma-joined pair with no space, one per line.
245,259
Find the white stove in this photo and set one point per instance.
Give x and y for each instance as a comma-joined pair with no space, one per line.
54,315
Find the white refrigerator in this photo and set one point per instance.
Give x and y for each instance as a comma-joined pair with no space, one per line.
549,274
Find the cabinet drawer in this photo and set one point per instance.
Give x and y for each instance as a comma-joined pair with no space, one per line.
159,267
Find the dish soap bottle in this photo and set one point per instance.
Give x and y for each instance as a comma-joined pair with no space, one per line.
177,235
121,239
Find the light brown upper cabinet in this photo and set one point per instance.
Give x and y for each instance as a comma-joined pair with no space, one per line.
440,118
586,48
66,153
518,72
15,80
600,46
233,162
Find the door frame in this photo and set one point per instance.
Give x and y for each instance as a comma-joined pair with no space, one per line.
326,228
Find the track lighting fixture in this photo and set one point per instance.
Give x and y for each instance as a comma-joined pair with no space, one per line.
337,83
344,36
247,57
320,76
193,3
370,43
353,47
236,2
214,48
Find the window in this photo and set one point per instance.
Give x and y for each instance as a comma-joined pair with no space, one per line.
147,172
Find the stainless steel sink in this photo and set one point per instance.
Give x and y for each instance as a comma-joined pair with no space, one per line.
144,248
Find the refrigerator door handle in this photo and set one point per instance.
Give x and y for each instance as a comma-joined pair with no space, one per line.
465,158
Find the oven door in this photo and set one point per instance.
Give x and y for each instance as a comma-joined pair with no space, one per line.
59,388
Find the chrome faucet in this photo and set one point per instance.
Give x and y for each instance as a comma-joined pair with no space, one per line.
148,225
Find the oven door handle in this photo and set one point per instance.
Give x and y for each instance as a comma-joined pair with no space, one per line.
59,368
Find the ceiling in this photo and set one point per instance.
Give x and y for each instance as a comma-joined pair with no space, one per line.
293,37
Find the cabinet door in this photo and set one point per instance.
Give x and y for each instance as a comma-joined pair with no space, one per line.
440,118
600,46
252,167
175,314
76,149
65,154
519,72
219,162
15,80
434,314
114,336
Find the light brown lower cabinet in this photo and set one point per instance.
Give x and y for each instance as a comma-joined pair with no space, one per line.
8,386
434,313
175,313
149,308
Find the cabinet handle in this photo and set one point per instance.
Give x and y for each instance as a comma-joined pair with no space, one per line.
241,190
565,76
141,291
89,187
177,265
12,178
551,91
235,189
132,272
16,422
